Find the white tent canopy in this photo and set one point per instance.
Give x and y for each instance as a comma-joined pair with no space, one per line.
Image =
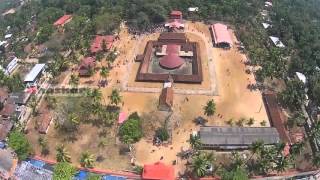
301,77
266,25
276,41
193,9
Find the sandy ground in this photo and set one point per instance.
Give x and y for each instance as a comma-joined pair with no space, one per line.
234,101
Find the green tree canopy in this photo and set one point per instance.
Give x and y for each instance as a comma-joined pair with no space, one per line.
19,143
131,131
63,171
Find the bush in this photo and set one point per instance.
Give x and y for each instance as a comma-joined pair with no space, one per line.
19,143
63,171
131,131
162,133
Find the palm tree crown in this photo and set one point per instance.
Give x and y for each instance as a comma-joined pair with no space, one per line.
86,160
210,108
115,97
62,154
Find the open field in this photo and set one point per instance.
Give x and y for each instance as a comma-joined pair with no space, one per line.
234,101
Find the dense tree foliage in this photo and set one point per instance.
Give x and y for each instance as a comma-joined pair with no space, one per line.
63,171
130,131
19,143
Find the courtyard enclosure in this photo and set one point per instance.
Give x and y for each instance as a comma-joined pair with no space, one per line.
171,56
228,138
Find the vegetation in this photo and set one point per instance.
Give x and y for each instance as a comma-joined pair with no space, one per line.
162,133
201,164
115,97
130,131
19,143
62,154
86,160
63,171
195,142
44,145
210,108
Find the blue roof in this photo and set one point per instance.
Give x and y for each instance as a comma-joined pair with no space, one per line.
34,72
81,175
37,163
110,177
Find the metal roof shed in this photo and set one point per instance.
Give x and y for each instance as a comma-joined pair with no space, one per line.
236,137
35,71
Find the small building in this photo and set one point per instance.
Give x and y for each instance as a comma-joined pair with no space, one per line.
158,171
32,78
221,35
20,98
230,138
96,45
268,4
175,14
10,65
276,41
166,99
63,20
87,66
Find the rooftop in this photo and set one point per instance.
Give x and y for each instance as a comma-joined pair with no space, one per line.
236,137
62,20
276,41
221,33
158,171
31,76
96,45
28,171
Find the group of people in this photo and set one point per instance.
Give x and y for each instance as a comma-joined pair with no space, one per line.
152,29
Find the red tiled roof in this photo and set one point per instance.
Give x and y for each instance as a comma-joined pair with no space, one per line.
276,116
176,13
62,20
158,171
220,33
96,45
172,59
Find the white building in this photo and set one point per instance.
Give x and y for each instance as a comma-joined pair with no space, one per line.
34,75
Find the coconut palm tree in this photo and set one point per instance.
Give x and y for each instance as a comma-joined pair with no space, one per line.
104,72
195,142
297,148
210,108
256,148
115,97
86,160
201,163
95,94
316,160
74,80
282,163
73,118
62,154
